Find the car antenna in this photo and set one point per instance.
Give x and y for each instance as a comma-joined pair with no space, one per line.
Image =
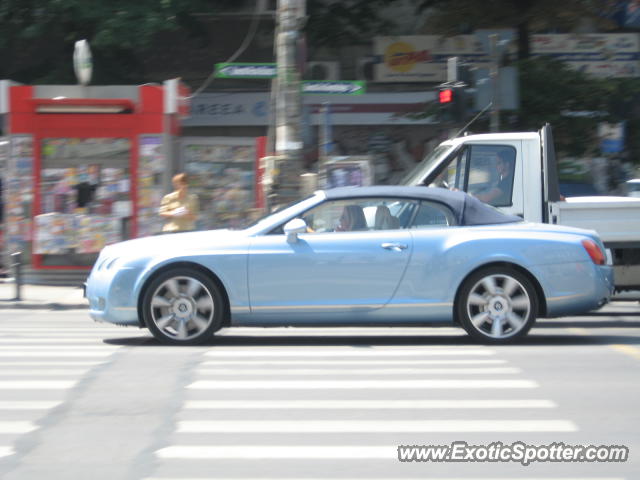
478,115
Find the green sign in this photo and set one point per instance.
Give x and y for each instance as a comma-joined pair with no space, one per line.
338,87
246,70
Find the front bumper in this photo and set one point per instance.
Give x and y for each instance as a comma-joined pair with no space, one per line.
112,296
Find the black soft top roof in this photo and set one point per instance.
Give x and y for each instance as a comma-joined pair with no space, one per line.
467,209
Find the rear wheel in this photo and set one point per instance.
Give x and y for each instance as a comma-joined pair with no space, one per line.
182,307
497,305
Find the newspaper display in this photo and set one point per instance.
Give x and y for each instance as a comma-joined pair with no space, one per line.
150,169
222,173
19,193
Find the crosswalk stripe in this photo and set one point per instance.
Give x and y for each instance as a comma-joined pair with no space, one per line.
57,348
37,384
5,451
369,352
53,341
57,363
361,371
261,452
389,478
28,405
322,331
43,372
366,404
358,384
58,353
376,426
350,362
16,427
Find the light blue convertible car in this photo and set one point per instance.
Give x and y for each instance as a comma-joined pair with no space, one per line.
355,256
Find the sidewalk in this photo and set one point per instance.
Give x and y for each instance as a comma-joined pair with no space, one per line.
41,296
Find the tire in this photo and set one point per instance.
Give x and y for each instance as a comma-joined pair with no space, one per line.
182,306
497,305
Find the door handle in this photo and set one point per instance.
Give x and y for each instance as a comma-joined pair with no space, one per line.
397,247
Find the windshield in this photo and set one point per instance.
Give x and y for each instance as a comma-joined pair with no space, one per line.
417,175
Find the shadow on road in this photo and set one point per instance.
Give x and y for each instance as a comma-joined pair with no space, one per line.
535,338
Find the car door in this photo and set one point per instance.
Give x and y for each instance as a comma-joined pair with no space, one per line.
331,269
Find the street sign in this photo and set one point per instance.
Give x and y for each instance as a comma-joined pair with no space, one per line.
315,87
246,70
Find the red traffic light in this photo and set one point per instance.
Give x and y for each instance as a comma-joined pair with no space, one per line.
445,96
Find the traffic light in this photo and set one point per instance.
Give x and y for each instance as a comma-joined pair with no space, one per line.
445,96
453,104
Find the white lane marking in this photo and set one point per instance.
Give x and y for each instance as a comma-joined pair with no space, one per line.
365,404
55,353
376,426
304,384
43,372
262,452
269,332
16,427
5,451
70,363
394,478
57,348
350,362
53,341
36,384
28,405
361,371
368,352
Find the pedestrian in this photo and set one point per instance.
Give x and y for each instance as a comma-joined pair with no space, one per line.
179,208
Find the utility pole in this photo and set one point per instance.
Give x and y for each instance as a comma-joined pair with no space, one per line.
494,75
287,165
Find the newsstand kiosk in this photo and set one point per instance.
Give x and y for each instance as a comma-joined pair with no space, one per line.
87,166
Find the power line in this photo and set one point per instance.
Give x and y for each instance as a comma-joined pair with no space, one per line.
253,28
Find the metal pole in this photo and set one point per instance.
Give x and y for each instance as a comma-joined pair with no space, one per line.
16,263
494,75
288,114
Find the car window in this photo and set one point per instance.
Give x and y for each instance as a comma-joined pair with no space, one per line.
358,214
491,169
432,214
486,171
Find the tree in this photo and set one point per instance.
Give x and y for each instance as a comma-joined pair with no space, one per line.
455,17
37,36
344,22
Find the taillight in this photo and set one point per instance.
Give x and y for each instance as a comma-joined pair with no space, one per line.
594,251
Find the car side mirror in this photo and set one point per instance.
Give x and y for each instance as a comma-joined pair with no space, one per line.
294,227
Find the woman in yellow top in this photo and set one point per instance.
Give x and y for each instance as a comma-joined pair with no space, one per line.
179,208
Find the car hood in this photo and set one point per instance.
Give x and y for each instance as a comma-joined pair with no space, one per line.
173,243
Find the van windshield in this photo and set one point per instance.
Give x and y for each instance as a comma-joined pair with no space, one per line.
419,173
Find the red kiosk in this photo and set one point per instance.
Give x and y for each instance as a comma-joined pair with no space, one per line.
86,167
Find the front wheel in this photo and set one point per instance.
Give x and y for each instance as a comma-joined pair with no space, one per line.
182,307
497,305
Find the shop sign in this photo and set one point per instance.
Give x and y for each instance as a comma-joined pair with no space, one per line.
598,54
423,58
252,109
246,70
333,88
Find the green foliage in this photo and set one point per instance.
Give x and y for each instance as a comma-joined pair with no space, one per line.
574,103
37,36
343,22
